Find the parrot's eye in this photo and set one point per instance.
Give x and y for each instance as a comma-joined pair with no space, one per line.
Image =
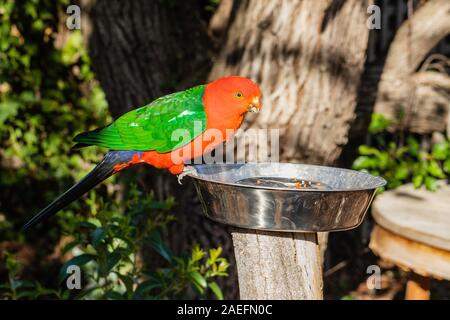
238,94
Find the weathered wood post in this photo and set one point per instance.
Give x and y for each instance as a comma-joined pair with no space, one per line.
278,265
412,231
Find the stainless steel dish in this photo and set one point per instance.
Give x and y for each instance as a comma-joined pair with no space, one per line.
285,196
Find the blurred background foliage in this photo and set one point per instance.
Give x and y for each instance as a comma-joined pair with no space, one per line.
48,93
402,158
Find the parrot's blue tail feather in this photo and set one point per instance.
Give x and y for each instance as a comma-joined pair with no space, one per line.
101,172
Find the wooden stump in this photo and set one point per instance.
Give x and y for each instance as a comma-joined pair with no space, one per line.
413,231
278,265
418,287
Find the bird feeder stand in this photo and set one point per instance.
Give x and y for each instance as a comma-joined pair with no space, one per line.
276,211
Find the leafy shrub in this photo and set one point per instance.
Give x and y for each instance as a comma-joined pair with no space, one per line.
15,288
399,162
48,93
108,247
110,244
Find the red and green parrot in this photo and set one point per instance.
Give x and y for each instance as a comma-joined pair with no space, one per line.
144,135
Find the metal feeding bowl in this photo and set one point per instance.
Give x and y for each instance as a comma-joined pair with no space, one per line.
285,196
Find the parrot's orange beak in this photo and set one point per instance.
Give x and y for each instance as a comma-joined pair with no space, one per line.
255,105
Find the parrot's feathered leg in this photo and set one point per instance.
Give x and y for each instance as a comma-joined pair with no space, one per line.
102,171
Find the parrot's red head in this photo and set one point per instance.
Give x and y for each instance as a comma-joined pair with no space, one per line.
235,95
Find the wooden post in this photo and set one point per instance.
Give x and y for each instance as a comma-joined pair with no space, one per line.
417,287
278,265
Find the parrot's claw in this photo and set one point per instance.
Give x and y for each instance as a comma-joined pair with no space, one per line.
186,171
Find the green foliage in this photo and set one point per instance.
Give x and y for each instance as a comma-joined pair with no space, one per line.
400,163
48,93
211,5
378,124
15,288
109,246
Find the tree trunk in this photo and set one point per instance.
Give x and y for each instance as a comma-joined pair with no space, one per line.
417,100
308,57
139,48
142,50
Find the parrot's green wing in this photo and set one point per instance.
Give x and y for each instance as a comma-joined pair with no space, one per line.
165,124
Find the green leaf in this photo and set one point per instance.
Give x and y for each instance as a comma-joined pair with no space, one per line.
114,295
4,44
394,183
420,168
199,288
38,25
363,162
69,247
26,294
367,151
16,284
160,247
198,279
127,282
197,253
413,146
41,291
89,225
402,172
383,160
27,96
144,287
86,292
112,260
431,183
435,170
78,261
399,153
440,150
8,109
417,181
31,9
215,288
97,236
378,123
447,165
215,253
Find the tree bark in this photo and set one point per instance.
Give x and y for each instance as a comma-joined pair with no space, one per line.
142,50
417,100
219,21
308,58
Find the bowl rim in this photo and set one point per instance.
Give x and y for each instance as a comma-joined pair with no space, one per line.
381,182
